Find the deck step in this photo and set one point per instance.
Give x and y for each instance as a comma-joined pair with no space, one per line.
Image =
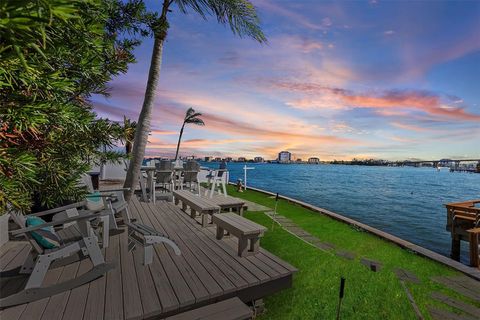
231,309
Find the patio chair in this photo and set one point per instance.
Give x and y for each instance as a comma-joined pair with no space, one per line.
190,176
164,176
47,248
110,199
217,178
102,219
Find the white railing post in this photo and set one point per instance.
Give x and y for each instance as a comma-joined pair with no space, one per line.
245,168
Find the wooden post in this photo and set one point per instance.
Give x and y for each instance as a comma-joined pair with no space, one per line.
254,244
220,232
242,246
455,253
473,237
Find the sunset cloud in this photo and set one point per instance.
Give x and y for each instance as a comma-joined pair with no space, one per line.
318,96
409,127
331,82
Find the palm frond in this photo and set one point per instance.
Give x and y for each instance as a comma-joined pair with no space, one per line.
194,115
189,113
197,121
240,15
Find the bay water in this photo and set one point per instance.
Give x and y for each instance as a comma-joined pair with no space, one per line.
407,202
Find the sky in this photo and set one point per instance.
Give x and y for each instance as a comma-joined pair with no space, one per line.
378,79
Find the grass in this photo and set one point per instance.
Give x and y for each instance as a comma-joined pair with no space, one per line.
368,295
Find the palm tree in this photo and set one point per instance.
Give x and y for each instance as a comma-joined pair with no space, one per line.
241,17
127,134
190,117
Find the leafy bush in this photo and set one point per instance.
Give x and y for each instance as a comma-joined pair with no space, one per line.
53,56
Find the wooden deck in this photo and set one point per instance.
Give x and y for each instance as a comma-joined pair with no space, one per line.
208,271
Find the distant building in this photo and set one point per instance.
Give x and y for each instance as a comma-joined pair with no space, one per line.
313,160
284,157
241,159
299,160
218,159
258,159
207,159
228,159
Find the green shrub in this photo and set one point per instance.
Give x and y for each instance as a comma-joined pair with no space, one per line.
54,55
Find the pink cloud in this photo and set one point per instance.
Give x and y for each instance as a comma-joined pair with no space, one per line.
417,63
409,127
319,96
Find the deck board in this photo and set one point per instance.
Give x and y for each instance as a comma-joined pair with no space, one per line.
172,274
78,297
189,288
132,302
208,271
113,291
250,272
213,285
34,310
57,303
216,267
96,299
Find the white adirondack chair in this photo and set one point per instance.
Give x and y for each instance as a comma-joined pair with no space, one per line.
40,260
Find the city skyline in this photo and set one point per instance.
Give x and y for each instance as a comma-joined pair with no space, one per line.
368,79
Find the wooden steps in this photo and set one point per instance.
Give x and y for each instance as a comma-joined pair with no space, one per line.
231,309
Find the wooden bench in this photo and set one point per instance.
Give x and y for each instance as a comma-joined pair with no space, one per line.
231,309
227,203
196,203
244,229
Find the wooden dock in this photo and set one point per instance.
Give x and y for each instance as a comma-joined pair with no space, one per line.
463,220
208,271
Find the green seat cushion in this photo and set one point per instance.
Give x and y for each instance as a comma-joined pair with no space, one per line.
95,202
45,237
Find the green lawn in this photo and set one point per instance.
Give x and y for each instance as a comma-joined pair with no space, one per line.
368,295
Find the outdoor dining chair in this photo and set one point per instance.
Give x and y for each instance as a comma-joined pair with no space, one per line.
163,176
216,178
190,176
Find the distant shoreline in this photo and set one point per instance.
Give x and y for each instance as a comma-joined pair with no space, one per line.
368,163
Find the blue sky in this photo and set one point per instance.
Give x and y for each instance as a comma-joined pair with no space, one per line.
337,80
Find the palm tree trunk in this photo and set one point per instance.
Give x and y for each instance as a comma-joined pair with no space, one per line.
128,147
143,124
179,138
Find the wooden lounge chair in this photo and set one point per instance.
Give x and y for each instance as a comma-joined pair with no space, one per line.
40,260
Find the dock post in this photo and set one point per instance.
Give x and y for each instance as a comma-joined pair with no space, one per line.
473,239
455,253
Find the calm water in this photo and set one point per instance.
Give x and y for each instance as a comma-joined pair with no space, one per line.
404,201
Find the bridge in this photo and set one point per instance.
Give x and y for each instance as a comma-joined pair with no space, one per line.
444,162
